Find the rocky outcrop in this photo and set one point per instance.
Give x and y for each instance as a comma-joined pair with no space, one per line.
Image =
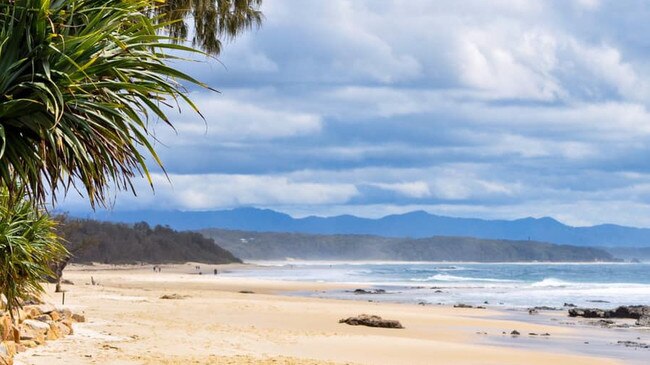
643,321
370,291
639,312
371,321
33,325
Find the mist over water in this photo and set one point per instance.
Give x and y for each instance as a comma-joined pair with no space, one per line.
499,284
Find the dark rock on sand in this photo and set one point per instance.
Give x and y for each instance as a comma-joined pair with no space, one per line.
463,305
173,296
371,321
638,345
587,312
643,321
372,291
515,333
545,308
631,311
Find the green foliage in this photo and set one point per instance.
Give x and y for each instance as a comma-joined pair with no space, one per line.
279,246
79,81
118,243
28,243
214,20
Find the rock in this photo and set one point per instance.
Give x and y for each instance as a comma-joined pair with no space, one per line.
31,311
29,335
78,317
63,329
587,312
570,305
53,333
6,355
515,333
246,292
67,322
55,315
643,321
6,332
29,344
634,344
173,296
46,308
545,308
372,291
65,313
632,311
44,318
438,291
37,326
532,311
371,321
463,305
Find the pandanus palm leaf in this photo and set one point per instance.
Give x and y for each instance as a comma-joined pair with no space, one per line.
213,20
28,243
79,81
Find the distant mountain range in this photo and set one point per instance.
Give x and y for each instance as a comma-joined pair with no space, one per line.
416,224
282,246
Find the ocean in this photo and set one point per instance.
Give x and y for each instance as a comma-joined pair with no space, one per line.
507,285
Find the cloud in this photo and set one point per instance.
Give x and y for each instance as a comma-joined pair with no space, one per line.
415,189
233,120
199,192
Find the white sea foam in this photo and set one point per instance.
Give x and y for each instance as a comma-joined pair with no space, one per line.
452,278
552,283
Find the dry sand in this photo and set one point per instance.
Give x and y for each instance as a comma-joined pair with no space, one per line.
213,323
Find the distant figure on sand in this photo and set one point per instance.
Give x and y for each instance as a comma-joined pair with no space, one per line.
216,272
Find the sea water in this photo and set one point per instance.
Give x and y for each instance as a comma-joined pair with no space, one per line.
509,285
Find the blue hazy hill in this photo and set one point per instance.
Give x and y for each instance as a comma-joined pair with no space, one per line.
418,224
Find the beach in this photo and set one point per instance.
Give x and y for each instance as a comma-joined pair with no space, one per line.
235,320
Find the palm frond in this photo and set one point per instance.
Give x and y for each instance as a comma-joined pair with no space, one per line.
79,82
28,244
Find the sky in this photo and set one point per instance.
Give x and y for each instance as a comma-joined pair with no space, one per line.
489,109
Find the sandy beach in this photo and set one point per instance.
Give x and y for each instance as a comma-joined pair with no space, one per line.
213,322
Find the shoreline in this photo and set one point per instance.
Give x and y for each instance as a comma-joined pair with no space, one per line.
218,320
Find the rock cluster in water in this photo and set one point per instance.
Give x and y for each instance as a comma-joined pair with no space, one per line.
35,325
639,312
